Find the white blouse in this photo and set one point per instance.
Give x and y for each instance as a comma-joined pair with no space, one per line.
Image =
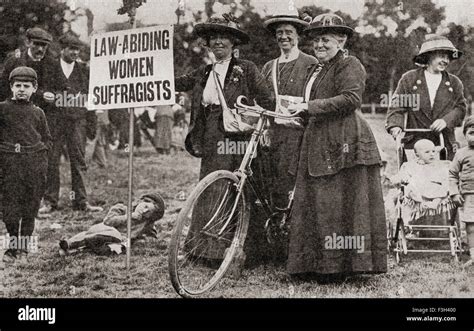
209,95
433,81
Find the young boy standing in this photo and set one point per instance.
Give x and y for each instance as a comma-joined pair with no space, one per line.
461,180
24,143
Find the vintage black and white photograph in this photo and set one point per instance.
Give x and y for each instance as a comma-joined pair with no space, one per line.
237,149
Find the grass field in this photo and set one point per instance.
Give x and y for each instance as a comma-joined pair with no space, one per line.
85,275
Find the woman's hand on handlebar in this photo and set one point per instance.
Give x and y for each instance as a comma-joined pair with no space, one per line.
298,107
438,125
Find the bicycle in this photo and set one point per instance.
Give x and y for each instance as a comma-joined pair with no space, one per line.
199,258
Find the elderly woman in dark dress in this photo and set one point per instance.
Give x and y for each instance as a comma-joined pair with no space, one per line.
237,77
338,222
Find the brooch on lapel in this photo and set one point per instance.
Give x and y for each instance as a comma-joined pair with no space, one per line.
450,89
418,82
237,73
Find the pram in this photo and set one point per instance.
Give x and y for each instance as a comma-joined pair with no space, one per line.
398,238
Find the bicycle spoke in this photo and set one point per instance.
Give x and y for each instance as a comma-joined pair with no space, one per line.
209,226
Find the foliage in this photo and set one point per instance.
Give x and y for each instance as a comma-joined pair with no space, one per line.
130,7
18,16
388,36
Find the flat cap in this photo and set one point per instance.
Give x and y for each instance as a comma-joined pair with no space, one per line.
158,201
39,35
69,40
23,74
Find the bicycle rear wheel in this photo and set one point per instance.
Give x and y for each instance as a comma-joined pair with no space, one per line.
209,231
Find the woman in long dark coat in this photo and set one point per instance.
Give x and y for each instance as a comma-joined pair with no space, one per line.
206,131
338,223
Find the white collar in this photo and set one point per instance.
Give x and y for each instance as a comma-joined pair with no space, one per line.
294,53
224,62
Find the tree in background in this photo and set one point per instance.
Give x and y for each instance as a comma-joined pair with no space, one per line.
389,34
463,38
191,52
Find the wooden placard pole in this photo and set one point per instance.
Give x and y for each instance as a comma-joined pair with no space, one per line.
130,167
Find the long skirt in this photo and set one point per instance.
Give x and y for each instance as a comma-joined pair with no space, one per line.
338,223
285,142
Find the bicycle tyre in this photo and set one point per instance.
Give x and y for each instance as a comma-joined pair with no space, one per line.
186,267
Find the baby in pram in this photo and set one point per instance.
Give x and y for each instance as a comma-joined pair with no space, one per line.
426,183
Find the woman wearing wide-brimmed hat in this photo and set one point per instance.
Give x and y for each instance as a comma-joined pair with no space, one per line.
338,222
286,77
216,88
442,105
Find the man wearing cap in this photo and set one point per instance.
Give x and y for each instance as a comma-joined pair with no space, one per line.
35,56
24,143
286,77
70,83
442,105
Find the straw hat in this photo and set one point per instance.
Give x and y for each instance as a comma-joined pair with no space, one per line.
328,23
225,24
292,17
436,43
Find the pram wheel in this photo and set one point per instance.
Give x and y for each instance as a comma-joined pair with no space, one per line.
403,241
397,257
455,244
398,249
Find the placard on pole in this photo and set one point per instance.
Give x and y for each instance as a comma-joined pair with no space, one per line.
128,69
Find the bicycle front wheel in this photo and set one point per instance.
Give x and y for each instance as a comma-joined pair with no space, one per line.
209,231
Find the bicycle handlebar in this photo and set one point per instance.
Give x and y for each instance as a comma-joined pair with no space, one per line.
243,108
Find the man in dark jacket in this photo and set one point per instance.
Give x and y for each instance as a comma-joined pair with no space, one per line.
70,83
34,56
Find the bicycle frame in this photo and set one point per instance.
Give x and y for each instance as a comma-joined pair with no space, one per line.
245,172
